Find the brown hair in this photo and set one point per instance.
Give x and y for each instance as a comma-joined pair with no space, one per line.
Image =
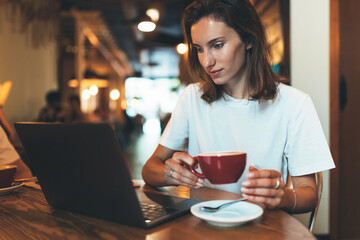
243,18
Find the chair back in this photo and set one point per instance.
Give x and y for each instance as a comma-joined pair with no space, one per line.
319,184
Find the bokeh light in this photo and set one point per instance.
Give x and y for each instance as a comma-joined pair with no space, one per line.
86,94
114,94
94,90
181,48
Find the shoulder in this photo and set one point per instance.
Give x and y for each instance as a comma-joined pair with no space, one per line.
295,102
190,98
192,92
193,88
291,95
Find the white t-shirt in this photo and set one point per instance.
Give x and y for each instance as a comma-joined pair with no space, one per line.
7,152
284,133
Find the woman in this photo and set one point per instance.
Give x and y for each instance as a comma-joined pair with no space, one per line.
239,104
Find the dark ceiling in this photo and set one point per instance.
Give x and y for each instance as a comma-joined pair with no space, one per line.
121,17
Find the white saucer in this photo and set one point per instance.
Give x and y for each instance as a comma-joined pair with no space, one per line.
230,216
14,186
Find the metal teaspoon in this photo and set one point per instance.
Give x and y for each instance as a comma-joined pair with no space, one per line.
214,209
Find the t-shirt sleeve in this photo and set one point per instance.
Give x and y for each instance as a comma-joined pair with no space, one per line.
306,148
176,132
7,152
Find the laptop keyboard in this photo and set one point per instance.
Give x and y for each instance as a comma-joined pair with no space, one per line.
153,211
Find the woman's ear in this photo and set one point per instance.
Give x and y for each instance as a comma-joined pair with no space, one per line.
248,45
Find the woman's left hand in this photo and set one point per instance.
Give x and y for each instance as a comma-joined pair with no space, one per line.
264,186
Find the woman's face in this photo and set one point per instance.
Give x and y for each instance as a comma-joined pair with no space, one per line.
220,50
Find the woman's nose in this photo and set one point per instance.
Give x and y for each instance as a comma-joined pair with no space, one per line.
208,59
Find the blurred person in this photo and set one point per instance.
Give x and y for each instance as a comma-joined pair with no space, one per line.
74,112
101,115
239,103
53,111
139,121
8,155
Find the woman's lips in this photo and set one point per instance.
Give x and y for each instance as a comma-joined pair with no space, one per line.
215,73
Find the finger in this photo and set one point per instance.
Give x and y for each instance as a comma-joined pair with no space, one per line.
252,168
264,183
183,157
185,172
267,201
264,173
175,182
186,182
181,174
176,163
180,162
263,192
171,180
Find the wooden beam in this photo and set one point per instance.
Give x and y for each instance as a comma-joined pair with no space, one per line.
334,115
91,22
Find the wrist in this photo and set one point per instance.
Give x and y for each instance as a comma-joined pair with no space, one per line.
289,200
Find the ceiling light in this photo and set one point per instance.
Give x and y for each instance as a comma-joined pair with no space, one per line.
153,13
146,26
90,78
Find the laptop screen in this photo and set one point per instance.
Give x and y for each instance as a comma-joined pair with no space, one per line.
81,168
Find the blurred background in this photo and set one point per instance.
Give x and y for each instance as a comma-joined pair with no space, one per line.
123,62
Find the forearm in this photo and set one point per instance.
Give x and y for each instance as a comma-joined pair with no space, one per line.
299,200
153,172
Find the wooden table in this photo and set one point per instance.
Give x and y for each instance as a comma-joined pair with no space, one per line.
25,214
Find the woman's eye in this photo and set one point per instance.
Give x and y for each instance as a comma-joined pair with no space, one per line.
198,49
218,45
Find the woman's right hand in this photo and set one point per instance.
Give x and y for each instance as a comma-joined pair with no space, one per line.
177,171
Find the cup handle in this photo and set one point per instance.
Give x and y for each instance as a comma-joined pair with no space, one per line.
195,172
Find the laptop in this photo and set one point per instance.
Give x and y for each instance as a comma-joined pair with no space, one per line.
81,168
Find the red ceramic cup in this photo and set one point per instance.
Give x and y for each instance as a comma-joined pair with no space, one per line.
7,175
221,167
